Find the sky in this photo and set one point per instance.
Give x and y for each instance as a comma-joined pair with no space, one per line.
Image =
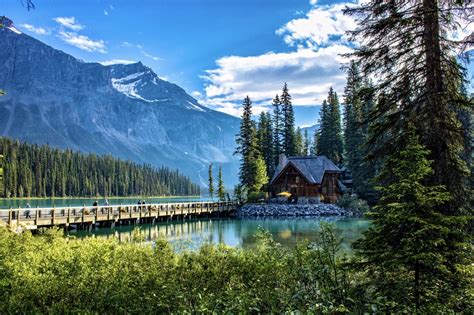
219,51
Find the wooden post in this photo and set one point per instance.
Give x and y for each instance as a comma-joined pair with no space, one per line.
68,215
10,216
52,216
36,216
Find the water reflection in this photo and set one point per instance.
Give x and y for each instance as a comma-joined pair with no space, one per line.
232,232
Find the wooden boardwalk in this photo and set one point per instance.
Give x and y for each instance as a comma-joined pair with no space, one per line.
33,218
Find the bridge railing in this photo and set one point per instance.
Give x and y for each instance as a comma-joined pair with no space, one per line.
78,214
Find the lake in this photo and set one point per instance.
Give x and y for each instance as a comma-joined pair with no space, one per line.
64,202
232,231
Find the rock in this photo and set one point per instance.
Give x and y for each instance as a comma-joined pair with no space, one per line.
291,210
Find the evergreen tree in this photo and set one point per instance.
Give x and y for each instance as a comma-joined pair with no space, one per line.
408,247
406,45
265,143
299,142
278,131
306,143
211,182
354,136
288,122
329,138
247,146
220,186
322,134
315,143
261,177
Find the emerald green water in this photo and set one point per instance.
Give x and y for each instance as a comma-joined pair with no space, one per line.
232,231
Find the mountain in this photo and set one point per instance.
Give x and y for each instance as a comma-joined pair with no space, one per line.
123,110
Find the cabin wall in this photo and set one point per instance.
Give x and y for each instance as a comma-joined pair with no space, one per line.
293,182
329,188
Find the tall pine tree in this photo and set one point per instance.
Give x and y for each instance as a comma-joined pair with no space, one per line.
288,122
220,186
211,182
278,131
264,138
247,146
330,141
406,247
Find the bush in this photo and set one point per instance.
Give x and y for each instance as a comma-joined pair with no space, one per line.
353,204
256,196
53,274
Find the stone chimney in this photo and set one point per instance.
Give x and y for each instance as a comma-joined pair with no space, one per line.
282,160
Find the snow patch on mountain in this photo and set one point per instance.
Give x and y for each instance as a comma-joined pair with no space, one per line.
195,107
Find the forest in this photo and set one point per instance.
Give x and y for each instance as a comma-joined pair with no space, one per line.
42,171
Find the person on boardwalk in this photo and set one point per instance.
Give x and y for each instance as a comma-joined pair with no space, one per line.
28,211
94,205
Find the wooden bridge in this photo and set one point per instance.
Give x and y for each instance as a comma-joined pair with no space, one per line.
33,218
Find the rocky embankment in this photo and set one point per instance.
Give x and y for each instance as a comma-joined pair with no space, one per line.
291,210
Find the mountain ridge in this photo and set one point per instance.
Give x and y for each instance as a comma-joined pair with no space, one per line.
123,110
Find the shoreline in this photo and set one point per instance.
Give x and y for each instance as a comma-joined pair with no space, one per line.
95,197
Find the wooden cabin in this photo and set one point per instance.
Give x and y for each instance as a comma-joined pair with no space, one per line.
308,177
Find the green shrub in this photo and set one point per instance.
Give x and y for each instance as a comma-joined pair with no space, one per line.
353,203
256,196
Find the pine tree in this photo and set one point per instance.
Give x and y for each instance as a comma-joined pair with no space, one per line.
288,122
278,131
211,182
315,143
329,138
407,47
261,177
220,186
247,146
354,137
299,143
306,143
408,248
265,143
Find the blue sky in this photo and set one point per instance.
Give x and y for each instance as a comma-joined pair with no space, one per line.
217,50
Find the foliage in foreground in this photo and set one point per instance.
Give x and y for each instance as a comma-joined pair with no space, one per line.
52,274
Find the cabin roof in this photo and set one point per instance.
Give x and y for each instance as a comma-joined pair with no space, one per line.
311,167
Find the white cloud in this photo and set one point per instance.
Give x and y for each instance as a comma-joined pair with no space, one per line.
117,62
36,30
69,22
320,26
309,75
149,56
105,12
82,42
310,69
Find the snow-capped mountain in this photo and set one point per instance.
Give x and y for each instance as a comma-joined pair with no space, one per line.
123,110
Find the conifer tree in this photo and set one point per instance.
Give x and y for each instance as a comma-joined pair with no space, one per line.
264,138
314,145
247,146
261,177
408,47
278,132
288,122
220,186
299,142
354,137
330,142
408,247
306,143
211,182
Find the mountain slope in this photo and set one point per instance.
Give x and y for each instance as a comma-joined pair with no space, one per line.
123,110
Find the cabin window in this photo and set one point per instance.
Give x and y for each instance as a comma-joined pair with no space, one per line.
297,179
